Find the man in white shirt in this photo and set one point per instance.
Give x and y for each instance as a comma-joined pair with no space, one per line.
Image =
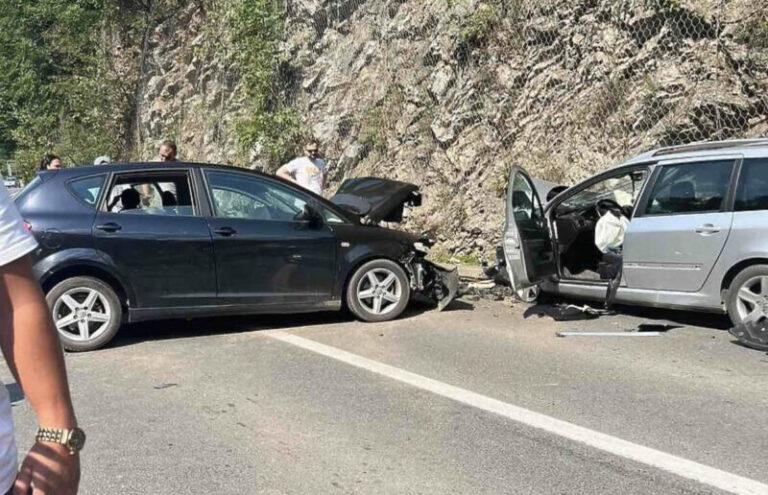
32,351
307,171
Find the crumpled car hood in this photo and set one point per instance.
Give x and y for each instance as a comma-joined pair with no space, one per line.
376,200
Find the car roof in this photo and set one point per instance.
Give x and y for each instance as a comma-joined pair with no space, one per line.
139,166
86,170
755,147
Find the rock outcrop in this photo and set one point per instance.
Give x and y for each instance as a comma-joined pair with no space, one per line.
449,94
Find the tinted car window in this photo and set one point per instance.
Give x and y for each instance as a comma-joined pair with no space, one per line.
87,189
690,188
752,192
239,196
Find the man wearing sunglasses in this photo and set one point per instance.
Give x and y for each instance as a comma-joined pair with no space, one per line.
307,171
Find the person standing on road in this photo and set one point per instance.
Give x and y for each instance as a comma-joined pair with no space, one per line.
166,152
307,171
50,162
32,351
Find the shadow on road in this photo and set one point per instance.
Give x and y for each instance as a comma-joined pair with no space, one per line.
674,317
685,318
181,328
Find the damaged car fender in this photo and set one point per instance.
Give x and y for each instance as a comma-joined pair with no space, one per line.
409,251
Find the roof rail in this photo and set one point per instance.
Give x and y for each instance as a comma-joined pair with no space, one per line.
711,145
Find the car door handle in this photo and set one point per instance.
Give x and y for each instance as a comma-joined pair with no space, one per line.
225,231
707,228
109,227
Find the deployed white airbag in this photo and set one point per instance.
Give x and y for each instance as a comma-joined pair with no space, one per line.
609,231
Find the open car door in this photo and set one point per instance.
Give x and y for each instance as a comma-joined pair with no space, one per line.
528,245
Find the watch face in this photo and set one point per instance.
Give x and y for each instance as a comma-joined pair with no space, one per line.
76,439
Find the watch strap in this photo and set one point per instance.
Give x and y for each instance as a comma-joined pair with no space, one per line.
52,435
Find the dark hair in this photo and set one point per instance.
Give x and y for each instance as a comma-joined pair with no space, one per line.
170,144
47,159
313,141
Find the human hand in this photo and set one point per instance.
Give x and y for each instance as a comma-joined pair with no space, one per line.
48,469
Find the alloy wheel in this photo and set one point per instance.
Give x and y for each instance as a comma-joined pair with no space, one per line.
752,300
82,314
379,291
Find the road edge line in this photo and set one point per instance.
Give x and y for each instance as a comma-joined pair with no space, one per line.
680,466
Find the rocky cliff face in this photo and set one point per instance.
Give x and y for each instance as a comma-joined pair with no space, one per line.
449,94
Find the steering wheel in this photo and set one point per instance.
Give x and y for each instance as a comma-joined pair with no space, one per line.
607,204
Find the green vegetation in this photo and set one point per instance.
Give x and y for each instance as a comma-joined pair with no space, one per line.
379,120
70,73
371,130
54,94
270,122
480,24
754,34
668,6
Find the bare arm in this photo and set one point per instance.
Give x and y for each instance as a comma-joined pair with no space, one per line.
285,173
33,353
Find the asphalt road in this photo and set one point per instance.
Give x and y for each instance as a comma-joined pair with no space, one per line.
233,405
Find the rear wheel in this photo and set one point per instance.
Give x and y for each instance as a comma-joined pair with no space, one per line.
378,291
748,296
86,312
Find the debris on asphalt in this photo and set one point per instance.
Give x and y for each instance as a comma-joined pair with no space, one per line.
165,385
642,330
565,312
607,334
752,335
475,289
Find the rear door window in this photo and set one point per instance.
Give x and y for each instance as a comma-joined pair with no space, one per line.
87,189
752,191
698,187
151,193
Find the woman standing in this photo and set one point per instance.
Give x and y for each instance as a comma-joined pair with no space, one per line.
50,162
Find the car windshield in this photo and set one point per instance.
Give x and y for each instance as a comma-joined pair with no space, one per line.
622,189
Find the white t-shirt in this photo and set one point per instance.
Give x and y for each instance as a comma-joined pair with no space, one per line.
309,173
15,242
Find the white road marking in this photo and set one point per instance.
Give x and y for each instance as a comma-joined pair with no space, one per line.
677,465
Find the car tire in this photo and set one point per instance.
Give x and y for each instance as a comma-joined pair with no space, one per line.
748,295
86,312
382,300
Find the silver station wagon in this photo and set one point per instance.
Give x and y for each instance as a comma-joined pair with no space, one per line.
697,237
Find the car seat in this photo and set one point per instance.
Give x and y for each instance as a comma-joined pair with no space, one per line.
682,196
169,199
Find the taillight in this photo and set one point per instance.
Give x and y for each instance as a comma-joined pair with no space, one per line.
27,226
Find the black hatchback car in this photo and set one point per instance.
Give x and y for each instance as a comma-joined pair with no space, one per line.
131,242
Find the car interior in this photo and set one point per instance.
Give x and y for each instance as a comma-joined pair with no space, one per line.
575,220
236,196
155,194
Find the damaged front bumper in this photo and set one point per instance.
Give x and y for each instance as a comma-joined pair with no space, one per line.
433,281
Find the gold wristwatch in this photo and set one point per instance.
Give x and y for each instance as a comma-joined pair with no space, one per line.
73,438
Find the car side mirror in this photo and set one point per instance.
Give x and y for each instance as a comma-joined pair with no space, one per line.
308,218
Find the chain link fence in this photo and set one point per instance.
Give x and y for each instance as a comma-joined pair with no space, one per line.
565,86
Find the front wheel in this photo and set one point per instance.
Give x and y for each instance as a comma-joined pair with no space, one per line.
748,296
86,312
378,291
